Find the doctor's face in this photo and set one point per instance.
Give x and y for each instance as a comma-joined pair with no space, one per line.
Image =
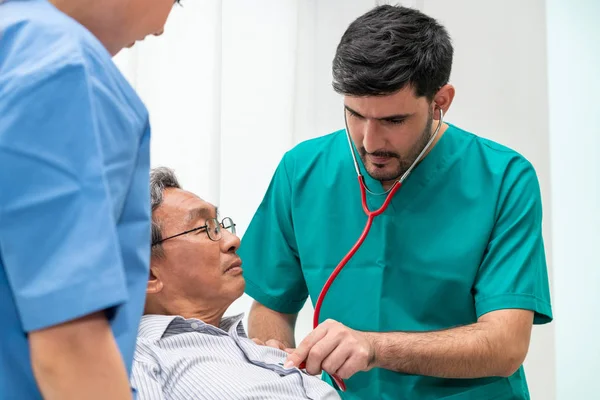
390,131
199,267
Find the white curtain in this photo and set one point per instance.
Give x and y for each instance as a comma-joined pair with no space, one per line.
233,84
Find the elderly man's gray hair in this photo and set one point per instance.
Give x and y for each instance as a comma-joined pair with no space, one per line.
161,178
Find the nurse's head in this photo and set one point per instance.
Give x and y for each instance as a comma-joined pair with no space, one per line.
393,67
194,268
119,23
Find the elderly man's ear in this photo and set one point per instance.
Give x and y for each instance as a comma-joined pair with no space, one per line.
155,285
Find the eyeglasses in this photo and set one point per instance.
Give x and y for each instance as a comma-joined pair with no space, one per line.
213,228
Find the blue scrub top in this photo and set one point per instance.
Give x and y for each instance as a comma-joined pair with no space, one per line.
74,187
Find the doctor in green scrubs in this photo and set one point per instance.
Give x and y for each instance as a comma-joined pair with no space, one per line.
440,300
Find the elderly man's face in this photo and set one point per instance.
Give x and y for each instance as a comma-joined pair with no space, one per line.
194,267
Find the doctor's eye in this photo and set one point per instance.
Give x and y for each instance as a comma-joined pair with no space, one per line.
395,121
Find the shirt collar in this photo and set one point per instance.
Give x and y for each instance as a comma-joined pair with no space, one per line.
233,322
154,327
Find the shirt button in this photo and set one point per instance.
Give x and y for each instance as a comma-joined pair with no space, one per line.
195,325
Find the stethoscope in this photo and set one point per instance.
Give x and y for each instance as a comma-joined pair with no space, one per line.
370,216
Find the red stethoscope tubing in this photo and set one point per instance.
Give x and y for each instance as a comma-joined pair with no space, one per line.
370,216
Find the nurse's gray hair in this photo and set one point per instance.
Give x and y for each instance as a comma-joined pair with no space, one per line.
161,178
390,48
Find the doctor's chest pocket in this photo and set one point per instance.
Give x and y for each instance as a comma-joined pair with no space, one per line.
434,276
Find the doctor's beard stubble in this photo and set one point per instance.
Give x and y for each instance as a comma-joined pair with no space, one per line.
404,163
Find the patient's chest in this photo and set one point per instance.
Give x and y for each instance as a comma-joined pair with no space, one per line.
213,364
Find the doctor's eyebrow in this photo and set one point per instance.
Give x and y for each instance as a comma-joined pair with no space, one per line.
388,118
202,213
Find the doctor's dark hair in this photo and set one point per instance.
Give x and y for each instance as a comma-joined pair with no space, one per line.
161,178
391,47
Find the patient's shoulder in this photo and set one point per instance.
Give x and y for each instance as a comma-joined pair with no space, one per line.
145,351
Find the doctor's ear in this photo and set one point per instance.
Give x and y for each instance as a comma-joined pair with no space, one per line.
442,100
155,285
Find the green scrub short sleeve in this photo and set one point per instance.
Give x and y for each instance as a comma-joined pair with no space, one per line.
513,274
58,236
271,266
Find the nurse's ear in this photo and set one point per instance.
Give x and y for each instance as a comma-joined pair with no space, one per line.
155,285
442,100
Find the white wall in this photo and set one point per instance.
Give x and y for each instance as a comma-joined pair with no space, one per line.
231,86
501,93
574,84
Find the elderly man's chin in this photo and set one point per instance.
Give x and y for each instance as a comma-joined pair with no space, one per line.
237,282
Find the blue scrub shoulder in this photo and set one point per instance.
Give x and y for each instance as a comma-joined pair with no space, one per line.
38,42
33,47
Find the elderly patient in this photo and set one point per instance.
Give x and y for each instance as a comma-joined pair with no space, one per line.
185,348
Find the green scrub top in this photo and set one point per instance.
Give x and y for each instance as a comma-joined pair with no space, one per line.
462,237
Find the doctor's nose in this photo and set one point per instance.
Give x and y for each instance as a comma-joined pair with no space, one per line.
372,139
159,32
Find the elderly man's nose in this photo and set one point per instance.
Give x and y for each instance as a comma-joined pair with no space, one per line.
159,32
230,241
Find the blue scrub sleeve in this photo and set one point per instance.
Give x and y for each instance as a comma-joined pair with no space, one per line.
58,239
269,252
513,274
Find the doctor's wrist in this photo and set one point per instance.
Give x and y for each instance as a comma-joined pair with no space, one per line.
389,350
374,340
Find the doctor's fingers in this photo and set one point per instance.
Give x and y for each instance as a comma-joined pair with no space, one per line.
320,351
258,342
355,363
336,359
300,354
276,344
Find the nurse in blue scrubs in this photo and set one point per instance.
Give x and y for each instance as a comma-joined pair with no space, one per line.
74,197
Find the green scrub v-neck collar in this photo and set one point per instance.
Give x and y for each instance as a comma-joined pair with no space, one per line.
428,169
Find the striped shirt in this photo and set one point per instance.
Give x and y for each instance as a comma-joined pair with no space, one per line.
178,358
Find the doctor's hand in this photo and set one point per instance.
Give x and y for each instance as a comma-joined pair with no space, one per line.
336,349
273,343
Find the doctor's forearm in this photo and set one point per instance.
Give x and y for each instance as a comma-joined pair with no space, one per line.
266,324
79,360
472,351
